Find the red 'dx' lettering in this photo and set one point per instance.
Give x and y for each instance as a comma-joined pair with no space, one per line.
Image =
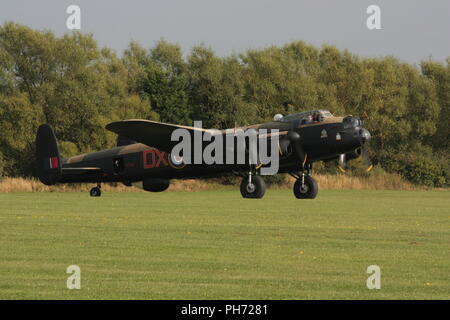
155,159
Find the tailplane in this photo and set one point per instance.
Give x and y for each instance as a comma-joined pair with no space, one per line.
47,156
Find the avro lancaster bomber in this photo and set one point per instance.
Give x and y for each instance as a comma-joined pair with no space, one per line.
144,154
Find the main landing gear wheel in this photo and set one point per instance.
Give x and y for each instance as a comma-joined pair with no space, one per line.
96,192
253,188
305,188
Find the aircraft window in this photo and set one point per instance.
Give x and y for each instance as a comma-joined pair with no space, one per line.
296,116
308,116
307,119
326,114
321,115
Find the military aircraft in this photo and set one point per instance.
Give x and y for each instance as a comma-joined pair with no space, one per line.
143,156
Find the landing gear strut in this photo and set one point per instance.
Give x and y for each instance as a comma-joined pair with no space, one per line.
253,186
96,191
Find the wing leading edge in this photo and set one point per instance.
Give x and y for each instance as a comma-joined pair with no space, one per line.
151,133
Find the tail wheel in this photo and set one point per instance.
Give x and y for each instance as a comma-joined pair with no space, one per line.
95,192
307,189
254,189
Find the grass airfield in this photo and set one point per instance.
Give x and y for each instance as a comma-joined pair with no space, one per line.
216,245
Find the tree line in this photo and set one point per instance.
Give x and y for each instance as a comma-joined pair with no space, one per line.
78,87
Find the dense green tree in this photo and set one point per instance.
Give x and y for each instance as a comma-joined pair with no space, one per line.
216,89
440,74
18,123
136,59
164,83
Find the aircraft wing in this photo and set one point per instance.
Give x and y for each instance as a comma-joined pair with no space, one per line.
152,133
158,134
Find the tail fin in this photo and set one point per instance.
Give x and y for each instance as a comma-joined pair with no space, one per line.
47,156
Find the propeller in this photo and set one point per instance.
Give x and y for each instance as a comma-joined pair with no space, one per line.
342,163
366,159
292,144
294,138
295,142
364,137
344,157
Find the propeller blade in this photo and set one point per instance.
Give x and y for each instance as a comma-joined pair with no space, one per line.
342,164
369,164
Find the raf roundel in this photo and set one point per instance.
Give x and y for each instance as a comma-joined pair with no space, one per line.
176,161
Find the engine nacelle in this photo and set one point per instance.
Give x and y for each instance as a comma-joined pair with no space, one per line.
354,154
285,147
153,185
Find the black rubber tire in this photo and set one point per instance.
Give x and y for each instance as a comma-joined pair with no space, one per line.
95,192
257,190
309,191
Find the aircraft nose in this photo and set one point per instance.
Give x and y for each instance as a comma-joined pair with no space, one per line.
364,135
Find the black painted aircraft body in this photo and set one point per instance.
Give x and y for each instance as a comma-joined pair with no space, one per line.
143,156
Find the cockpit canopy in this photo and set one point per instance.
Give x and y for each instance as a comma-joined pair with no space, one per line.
304,117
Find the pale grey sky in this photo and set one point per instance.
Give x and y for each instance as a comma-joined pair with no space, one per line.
412,30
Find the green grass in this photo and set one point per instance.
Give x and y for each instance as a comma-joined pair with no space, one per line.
215,245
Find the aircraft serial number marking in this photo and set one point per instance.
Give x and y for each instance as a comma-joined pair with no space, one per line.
154,159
